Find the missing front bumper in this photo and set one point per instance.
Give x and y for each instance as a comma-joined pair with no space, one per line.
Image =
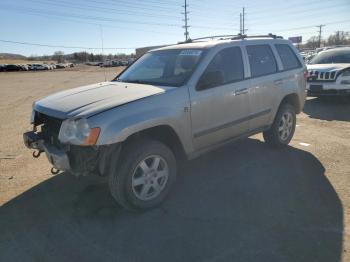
329,92
77,160
57,157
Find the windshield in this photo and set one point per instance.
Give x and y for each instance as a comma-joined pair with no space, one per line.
332,57
166,68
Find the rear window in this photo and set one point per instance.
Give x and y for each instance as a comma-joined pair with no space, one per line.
261,60
288,57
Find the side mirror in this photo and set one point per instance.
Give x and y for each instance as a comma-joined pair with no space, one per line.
210,79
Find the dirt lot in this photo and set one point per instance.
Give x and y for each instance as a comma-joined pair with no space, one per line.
244,202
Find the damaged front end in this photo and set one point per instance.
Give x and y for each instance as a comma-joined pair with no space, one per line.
75,159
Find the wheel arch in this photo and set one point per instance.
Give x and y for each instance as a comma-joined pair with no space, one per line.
164,134
292,99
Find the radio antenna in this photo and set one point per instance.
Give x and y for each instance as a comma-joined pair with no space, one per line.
103,56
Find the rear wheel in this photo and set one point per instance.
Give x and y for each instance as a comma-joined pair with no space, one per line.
283,127
144,176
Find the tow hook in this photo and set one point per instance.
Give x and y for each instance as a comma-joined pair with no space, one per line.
54,171
37,153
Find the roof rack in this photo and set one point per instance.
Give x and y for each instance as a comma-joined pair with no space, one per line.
231,37
220,37
240,36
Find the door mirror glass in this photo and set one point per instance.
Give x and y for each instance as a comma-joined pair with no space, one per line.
210,79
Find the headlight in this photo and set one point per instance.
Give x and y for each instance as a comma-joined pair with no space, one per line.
78,132
346,73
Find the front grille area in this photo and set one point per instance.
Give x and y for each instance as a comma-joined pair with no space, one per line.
50,128
316,76
325,92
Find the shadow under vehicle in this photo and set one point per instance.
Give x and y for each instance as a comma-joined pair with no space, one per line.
244,202
328,108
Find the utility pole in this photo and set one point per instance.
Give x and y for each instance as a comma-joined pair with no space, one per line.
240,23
320,34
242,17
186,26
243,20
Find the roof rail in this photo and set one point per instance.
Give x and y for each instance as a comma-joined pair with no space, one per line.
220,37
240,36
232,37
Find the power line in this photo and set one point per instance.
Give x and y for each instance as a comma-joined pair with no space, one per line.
102,9
97,18
138,3
310,26
86,17
132,9
293,13
63,46
50,17
128,4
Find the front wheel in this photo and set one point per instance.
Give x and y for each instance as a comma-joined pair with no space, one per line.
283,127
144,176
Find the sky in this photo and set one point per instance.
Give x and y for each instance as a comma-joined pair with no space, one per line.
122,25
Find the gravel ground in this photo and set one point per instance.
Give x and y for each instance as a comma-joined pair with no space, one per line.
244,202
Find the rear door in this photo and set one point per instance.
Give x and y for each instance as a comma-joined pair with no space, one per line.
219,111
293,69
264,82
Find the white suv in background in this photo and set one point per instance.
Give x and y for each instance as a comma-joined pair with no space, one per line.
329,73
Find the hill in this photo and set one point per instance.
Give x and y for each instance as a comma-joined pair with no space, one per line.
12,56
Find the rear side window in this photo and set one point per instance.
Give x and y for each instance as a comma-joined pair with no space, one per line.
229,62
288,57
261,60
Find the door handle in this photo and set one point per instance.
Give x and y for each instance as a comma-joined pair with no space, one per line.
278,82
241,91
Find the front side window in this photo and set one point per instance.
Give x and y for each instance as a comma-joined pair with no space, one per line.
226,67
288,57
165,67
261,60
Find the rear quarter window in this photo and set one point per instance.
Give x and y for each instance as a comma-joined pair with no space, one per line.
261,59
288,57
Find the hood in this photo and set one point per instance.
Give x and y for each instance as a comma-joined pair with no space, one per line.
327,67
89,100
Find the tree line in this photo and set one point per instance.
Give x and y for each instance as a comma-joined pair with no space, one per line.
338,38
81,57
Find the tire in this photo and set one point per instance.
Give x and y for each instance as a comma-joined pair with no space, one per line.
132,184
276,137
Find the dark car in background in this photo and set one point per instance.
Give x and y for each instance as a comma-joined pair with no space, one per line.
11,68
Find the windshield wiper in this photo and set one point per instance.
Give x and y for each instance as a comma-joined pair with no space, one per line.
141,82
136,82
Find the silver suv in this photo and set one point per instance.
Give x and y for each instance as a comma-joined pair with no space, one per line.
173,103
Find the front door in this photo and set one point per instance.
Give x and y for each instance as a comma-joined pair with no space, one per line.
220,102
